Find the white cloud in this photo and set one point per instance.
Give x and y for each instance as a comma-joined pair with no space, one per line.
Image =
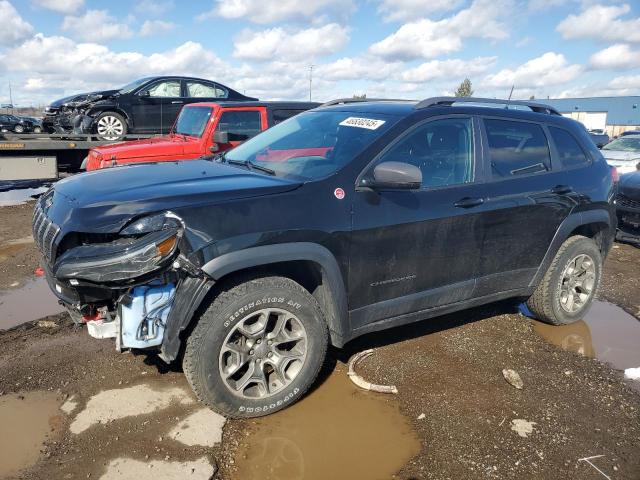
280,44
358,68
626,83
616,57
52,61
13,27
155,27
268,11
96,26
154,7
548,69
456,68
402,10
429,39
536,5
60,6
603,23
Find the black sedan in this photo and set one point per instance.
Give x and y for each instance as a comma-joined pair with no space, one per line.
148,106
628,208
11,123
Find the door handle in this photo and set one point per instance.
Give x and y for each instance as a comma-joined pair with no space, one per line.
561,189
468,202
177,101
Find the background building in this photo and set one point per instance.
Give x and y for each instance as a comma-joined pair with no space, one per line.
612,114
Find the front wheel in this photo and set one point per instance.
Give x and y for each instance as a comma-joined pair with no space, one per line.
110,126
257,348
18,129
567,289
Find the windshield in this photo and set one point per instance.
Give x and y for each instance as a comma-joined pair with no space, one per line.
130,87
626,144
192,121
313,144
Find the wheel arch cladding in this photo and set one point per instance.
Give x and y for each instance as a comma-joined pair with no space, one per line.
592,224
297,261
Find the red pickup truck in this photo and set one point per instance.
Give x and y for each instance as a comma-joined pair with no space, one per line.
201,129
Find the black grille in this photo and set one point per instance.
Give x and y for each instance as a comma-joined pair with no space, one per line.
44,233
627,202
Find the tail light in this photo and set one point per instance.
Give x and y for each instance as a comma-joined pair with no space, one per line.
615,176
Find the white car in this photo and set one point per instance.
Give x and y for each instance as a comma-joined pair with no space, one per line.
623,153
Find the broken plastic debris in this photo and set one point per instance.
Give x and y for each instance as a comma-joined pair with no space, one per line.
522,427
422,416
39,272
360,382
513,378
632,373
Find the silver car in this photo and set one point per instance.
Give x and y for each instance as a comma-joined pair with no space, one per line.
623,153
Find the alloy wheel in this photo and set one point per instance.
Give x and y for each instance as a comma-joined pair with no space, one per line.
577,284
263,353
18,129
110,127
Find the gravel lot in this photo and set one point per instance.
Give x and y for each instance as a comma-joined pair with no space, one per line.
448,371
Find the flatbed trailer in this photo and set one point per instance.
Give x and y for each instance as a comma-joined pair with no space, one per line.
43,157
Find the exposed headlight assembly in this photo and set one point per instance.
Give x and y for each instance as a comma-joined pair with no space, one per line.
119,261
152,223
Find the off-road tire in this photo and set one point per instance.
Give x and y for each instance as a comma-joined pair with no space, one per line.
545,301
201,359
115,136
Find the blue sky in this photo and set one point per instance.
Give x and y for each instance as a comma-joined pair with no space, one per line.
391,48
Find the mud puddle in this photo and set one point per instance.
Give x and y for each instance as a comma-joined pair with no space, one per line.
30,302
18,197
338,431
27,421
607,333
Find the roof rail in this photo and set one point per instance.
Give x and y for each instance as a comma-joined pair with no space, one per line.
344,101
448,101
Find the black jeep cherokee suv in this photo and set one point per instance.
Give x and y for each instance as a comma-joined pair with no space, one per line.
346,219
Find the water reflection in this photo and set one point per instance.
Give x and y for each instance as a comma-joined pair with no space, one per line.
606,332
338,431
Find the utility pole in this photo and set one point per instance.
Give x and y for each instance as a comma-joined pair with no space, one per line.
310,79
10,97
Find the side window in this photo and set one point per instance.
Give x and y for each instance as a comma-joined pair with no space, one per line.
241,125
282,115
170,88
517,148
569,151
204,90
441,149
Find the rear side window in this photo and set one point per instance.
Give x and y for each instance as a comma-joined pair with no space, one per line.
569,151
240,125
204,90
517,148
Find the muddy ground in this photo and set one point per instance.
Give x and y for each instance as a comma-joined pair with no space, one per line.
448,372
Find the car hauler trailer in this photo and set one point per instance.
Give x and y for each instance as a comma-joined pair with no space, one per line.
45,157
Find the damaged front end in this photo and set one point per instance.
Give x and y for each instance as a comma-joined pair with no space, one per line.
123,285
75,116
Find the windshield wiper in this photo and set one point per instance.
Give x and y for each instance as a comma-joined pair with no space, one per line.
248,164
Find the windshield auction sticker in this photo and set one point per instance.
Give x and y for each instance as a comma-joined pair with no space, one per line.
368,123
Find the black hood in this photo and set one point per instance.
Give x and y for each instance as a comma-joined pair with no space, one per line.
82,97
105,200
629,185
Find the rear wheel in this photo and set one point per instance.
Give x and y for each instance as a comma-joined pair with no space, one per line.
37,129
567,290
257,348
110,126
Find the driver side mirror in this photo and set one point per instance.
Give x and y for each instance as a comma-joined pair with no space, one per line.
395,176
144,94
220,137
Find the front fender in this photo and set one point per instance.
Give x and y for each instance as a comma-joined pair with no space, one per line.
335,307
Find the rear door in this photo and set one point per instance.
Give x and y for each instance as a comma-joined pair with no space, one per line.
241,124
201,91
416,249
526,202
